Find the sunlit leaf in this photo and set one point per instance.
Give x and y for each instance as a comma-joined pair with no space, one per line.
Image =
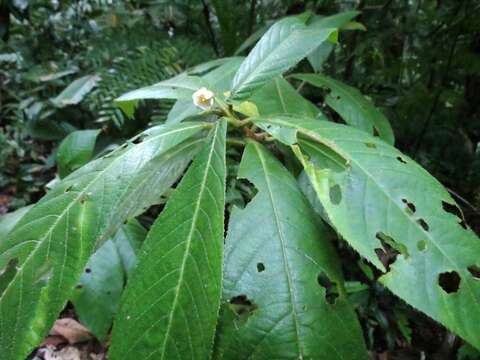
286,43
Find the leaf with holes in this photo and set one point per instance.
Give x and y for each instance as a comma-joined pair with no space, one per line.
283,286
171,303
51,244
396,215
128,240
97,294
286,43
352,106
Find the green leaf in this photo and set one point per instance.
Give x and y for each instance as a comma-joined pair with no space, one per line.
318,57
354,25
128,107
52,243
76,150
179,87
58,74
282,281
202,68
382,202
222,77
128,240
286,43
8,221
42,126
181,110
97,295
352,106
252,39
337,21
171,303
76,91
279,97
334,21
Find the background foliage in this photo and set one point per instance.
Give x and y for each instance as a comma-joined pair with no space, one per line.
63,62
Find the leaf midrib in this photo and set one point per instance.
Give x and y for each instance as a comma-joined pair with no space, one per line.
248,78
280,95
380,187
311,134
283,247
189,242
167,85
80,194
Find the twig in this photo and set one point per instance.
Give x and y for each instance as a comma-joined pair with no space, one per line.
251,20
206,14
236,142
463,200
351,61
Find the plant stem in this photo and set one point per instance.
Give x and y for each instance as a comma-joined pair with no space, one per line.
251,20
236,141
206,14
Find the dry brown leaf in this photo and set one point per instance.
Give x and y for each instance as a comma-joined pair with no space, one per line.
71,330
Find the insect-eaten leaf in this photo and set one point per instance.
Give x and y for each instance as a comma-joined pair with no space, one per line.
274,305
420,245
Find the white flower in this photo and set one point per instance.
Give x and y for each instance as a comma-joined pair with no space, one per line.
203,98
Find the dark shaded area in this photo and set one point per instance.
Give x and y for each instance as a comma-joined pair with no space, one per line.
418,61
331,291
449,281
242,305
